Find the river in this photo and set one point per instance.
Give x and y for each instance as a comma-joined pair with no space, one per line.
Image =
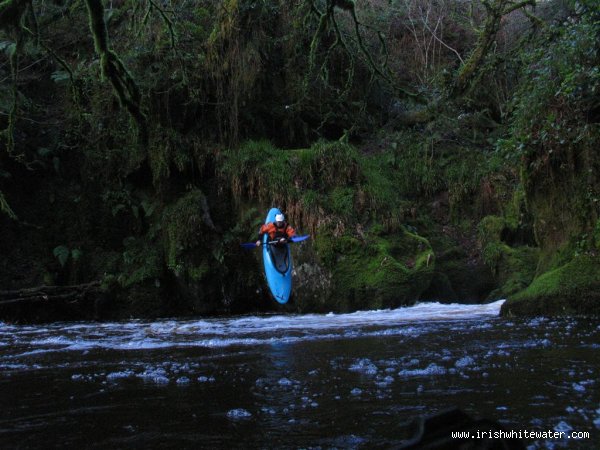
296,381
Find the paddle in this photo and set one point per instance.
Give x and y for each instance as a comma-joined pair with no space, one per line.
250,245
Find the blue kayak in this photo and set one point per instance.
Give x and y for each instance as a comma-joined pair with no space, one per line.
278,265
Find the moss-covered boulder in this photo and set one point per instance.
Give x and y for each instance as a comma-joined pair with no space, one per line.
513,266
572,289
458,277
378,270
312,281
187,237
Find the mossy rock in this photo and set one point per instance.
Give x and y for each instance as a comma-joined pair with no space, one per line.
490,228
379,271
458,278
515,270
312,288
514,267
184,231
572,289
440,289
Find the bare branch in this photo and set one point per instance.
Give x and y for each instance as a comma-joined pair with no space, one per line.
433,33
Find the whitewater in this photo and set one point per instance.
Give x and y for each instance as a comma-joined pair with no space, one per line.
288,381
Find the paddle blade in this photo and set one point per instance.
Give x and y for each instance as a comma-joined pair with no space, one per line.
299,238
248,245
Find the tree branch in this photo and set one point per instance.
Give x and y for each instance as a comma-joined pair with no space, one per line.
515,6
114,69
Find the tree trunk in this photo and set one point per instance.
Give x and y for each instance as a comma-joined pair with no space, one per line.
495,12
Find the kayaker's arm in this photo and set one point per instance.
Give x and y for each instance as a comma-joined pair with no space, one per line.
251,245
260,239
290,232
261,234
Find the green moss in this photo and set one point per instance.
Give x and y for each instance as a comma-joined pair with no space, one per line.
142,261
183,231
513,266
379,272
113,68
197,273
514,209
490,228
342,201
572,289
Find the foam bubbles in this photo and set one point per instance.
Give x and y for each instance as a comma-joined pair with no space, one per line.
364,366
431,370
206,379
563,426
115,376
154,375
464,362
239,413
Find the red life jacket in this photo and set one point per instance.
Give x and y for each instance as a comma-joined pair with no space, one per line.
275,233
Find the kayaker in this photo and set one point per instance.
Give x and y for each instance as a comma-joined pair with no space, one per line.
279,231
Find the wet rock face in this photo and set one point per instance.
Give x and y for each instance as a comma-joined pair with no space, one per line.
572,289
345,273
312,287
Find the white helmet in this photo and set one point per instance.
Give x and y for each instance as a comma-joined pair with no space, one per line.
279,218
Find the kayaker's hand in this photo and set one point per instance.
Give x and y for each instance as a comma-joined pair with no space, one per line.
282,240
258,243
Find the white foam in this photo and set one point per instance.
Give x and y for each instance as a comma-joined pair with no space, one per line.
563,426
285,382
114,376
464,362
364,366
409,322
155,375
239,413
431,369
205,379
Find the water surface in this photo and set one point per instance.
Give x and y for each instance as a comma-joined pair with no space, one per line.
295,381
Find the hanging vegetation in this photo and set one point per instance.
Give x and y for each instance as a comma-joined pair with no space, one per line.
425,145
114,69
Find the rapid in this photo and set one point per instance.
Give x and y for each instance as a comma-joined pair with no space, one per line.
296,381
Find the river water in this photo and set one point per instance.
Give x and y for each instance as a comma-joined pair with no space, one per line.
296,381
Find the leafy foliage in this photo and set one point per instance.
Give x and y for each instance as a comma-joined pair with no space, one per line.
339,112
555,129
